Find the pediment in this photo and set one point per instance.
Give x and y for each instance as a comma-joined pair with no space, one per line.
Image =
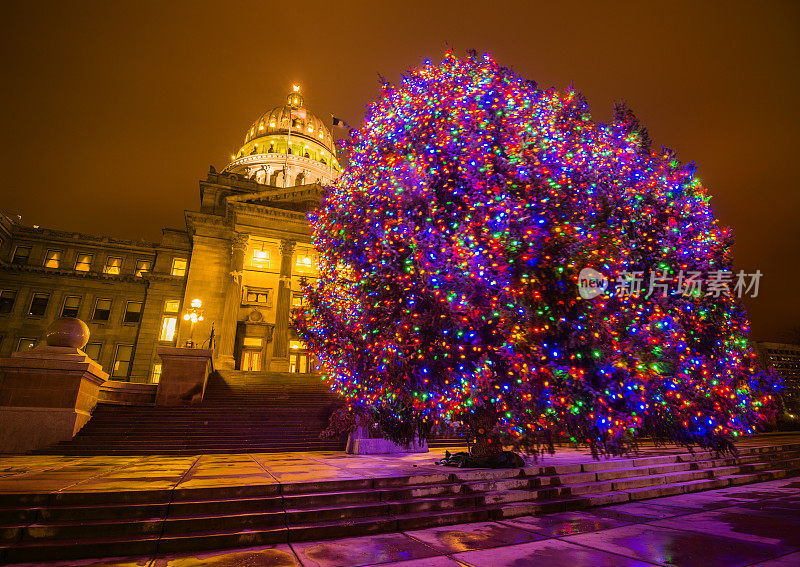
300,198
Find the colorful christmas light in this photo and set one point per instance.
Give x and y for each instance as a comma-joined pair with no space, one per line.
449,257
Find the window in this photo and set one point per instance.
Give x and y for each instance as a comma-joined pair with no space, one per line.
26,344
39,303
304,261
142,267
122,361
133,312
102,310
156,375
260,296
169,321
297,300
252,342
179,267
168,324
84,262
260,259
52,259
92,350
113,266
71,305
7,298
21,255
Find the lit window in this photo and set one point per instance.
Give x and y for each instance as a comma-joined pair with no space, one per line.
261,126
7,298
179,267
21,255
122,361
304,261
71,305
52,259
113,266
168,324
26,344
39,303
252,342
320,136
310,128
92,350
84,262
261,259
156,375
102,310
133,312
297,300
272,124
142,267
172,306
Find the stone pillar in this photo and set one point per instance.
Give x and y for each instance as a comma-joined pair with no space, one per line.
233,300
184,372
48,393
280,336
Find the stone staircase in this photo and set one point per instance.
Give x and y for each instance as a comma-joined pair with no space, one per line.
241,412
73,525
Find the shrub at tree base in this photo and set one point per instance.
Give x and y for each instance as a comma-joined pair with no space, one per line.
450,253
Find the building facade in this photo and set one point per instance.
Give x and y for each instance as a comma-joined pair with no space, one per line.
785,360
243,254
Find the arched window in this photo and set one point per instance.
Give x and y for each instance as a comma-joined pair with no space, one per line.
300,178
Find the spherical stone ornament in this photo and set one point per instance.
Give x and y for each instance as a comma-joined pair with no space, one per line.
67,332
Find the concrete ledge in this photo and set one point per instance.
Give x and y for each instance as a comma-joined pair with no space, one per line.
127,393
383,447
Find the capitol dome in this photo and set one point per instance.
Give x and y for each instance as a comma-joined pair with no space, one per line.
276,121
287,146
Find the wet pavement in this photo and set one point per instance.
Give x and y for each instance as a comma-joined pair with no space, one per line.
44,474
752,525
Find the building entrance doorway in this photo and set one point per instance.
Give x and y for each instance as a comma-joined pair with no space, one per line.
251,345
251,360
298,357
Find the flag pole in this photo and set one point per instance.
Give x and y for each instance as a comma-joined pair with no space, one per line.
288,147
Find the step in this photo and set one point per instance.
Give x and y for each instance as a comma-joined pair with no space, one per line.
208,518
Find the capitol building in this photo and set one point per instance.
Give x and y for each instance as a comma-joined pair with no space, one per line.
242,253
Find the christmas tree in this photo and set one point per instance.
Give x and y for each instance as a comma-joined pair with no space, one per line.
451,256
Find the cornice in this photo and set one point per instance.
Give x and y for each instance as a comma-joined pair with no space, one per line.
80,238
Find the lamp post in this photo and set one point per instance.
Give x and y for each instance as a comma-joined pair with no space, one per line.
193,314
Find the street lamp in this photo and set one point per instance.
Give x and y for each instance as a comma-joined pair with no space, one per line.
193,314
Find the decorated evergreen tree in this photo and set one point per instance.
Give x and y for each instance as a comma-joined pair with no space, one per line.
451,250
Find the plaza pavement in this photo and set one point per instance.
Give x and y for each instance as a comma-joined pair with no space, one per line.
45,474
756,524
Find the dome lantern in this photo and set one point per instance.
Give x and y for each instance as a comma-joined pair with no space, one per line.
294,98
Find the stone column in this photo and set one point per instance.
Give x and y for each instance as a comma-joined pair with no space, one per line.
233,299
280,337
